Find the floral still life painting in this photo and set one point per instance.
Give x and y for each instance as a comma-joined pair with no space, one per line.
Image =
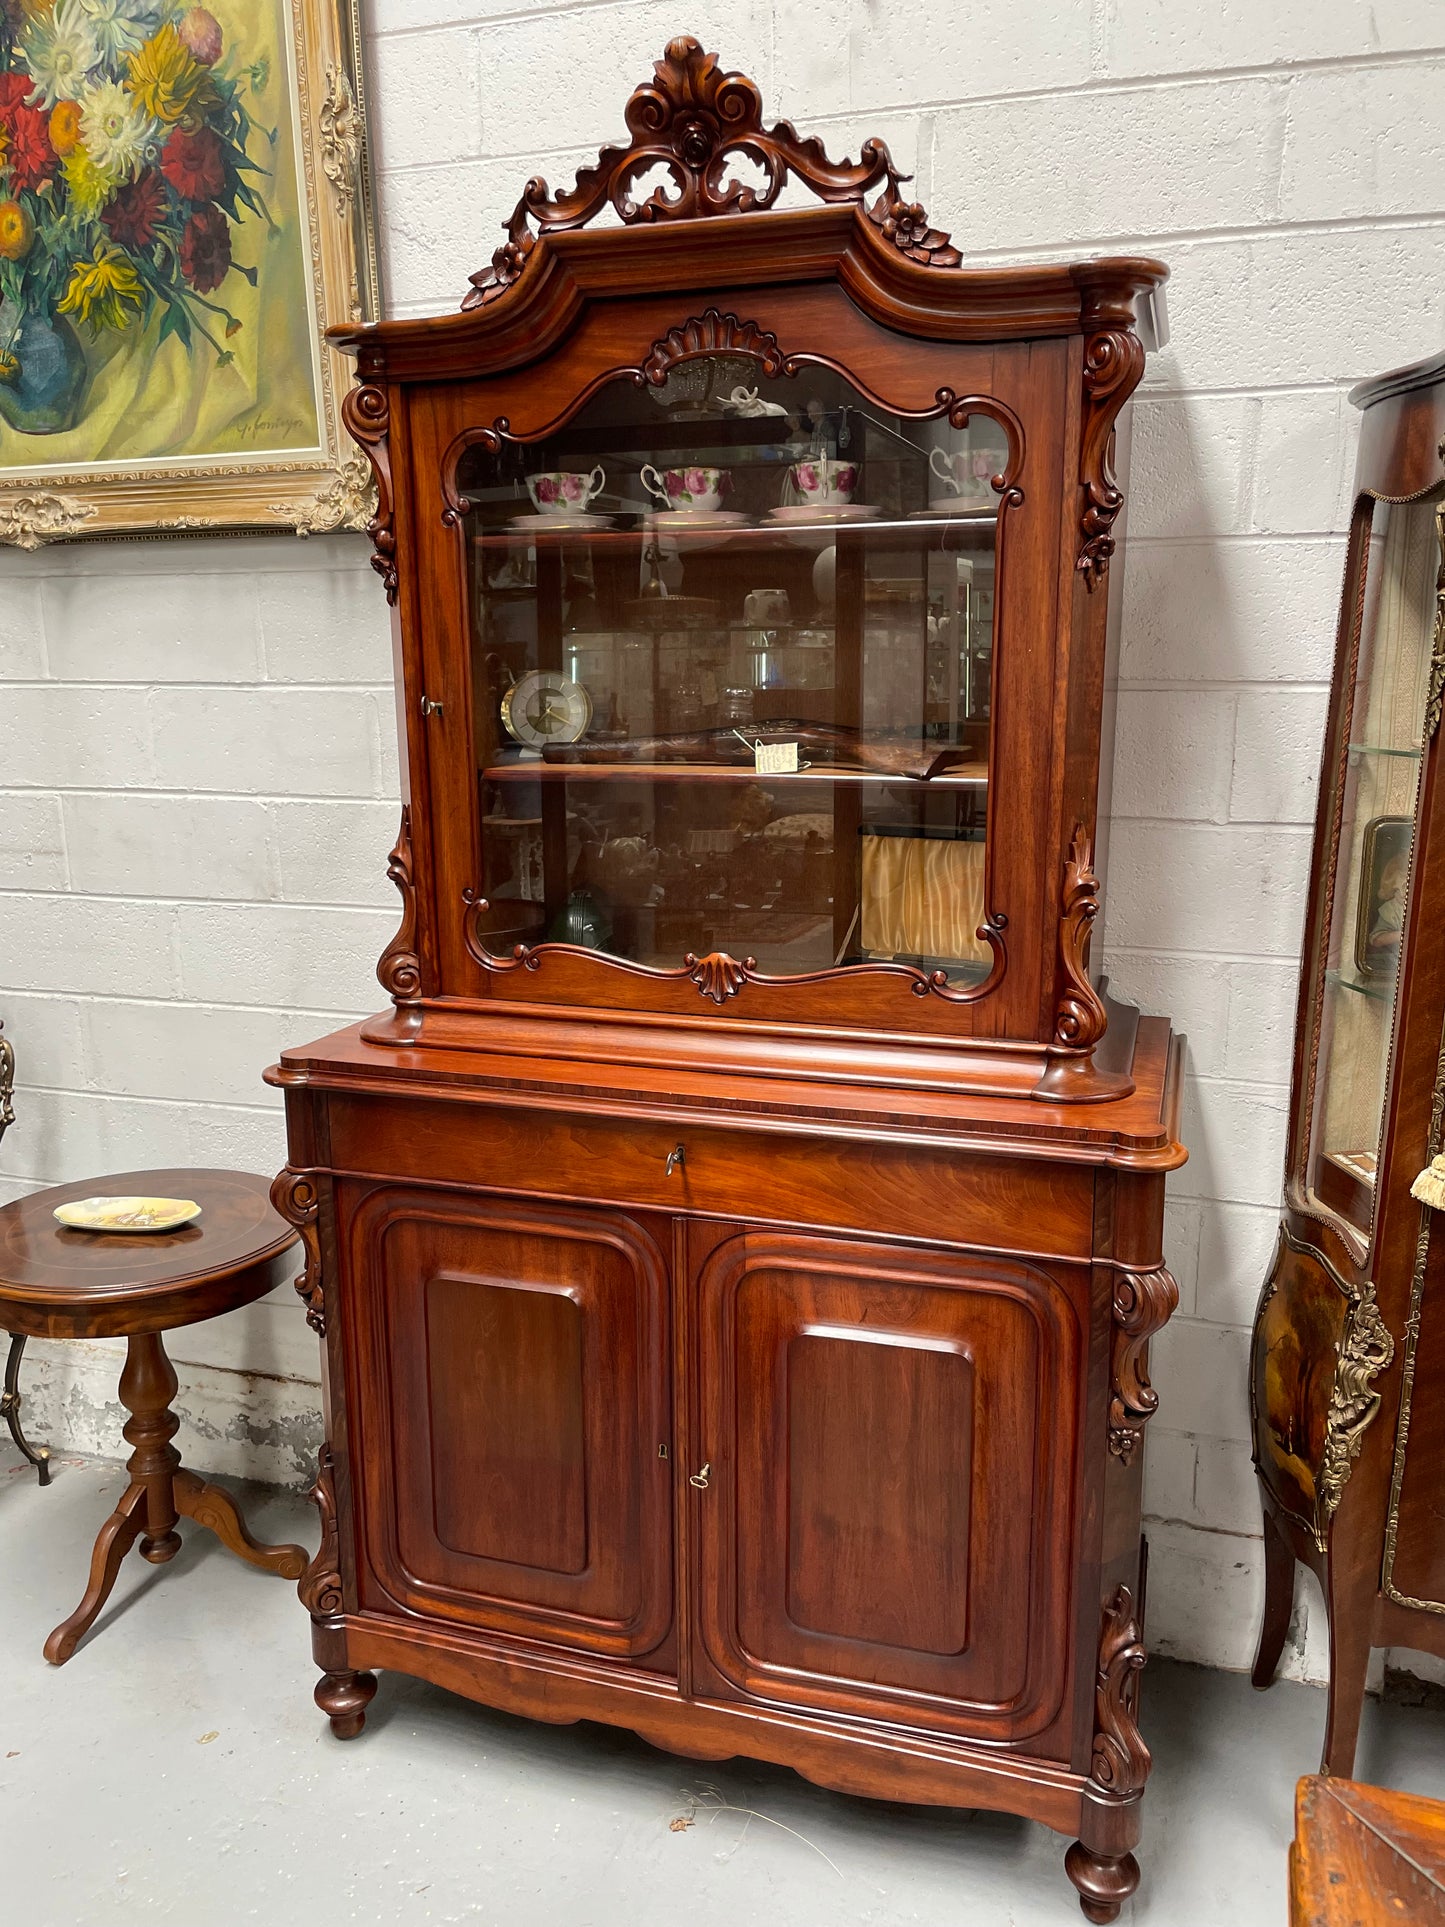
164,287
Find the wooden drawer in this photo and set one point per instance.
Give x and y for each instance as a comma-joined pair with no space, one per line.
783,1177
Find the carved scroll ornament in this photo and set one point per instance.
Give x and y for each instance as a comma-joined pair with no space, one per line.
319,1589
1113,364
1143,1303
399,971
1121,1760
691,121
1079,1016
295,1196
367,413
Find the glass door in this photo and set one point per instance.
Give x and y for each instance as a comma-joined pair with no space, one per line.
733,643
1370,874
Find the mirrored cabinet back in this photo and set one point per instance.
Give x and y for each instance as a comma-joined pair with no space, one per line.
736,1249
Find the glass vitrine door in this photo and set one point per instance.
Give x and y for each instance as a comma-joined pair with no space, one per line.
1378,786
733,644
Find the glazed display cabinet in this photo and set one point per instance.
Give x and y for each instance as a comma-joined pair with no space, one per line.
737,1248
1349,1341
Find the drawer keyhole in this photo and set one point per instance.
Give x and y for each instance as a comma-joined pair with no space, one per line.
676,1159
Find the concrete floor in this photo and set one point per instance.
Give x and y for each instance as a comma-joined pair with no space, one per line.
176,1770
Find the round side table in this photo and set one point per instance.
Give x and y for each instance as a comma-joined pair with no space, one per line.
57,1283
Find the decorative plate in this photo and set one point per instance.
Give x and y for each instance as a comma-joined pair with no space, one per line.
127,1214
582,521
679,521
969,512
826,513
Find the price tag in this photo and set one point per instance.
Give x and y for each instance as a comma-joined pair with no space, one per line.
776,759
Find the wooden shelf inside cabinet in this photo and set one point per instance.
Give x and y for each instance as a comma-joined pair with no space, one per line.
968,776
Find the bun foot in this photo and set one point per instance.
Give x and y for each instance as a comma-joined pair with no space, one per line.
1104,1883
344,1698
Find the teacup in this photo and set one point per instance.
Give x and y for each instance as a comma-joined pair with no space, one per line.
968,472
562,491
690,490
766,608
823,482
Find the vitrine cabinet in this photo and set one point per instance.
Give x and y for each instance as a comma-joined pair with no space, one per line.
1349,1351
737,1248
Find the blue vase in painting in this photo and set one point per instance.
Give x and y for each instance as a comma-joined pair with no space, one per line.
42,371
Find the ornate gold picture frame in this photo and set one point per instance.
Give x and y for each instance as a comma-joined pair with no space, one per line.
185,207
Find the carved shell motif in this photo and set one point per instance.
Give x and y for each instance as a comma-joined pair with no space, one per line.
692,120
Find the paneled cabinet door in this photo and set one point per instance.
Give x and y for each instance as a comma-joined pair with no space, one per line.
888,1520
510,1392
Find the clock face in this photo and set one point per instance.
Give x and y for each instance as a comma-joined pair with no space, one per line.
544,706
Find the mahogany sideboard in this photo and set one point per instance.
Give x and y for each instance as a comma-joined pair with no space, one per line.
736,1250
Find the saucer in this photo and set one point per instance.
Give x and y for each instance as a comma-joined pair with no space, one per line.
974,512
827,512
558,524
127,1214
675,521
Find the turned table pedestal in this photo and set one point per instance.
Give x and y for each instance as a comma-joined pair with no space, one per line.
58,1283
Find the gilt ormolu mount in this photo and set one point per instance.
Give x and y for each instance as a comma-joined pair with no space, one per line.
737,1137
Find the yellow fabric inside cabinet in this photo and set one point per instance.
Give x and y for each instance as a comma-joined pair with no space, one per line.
922,897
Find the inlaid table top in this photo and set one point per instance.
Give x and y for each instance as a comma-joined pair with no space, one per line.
59,1283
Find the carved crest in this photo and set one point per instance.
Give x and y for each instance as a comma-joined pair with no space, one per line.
295,1196
1121,1760
1365,1352
1144,1301
1079,1016
399,971
1113,364
692,121
367,413
319,1589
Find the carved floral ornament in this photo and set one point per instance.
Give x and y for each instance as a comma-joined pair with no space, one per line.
693,121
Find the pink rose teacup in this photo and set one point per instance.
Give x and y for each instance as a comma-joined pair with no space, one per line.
822,482
970,472
690,490
560,491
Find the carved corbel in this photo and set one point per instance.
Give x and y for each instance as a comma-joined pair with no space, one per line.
1080,1018
367,414
1113,365
1121,1760
319,1589
399,971
295,1196
1144,1302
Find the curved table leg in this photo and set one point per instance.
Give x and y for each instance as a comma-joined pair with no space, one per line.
10,1403
117,1536
215,1509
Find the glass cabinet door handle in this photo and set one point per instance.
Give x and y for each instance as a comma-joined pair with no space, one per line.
676,1159
700,1479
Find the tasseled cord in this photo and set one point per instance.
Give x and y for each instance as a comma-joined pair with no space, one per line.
1429,1187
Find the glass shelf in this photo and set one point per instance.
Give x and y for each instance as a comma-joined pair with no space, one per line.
1380,989
1384,749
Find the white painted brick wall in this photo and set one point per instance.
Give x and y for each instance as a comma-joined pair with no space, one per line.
199,759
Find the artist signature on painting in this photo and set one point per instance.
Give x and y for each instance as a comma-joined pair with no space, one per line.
269,425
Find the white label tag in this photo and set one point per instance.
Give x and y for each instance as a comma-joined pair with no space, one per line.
776,759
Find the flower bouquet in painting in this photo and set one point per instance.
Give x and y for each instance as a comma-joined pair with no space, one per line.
124,174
